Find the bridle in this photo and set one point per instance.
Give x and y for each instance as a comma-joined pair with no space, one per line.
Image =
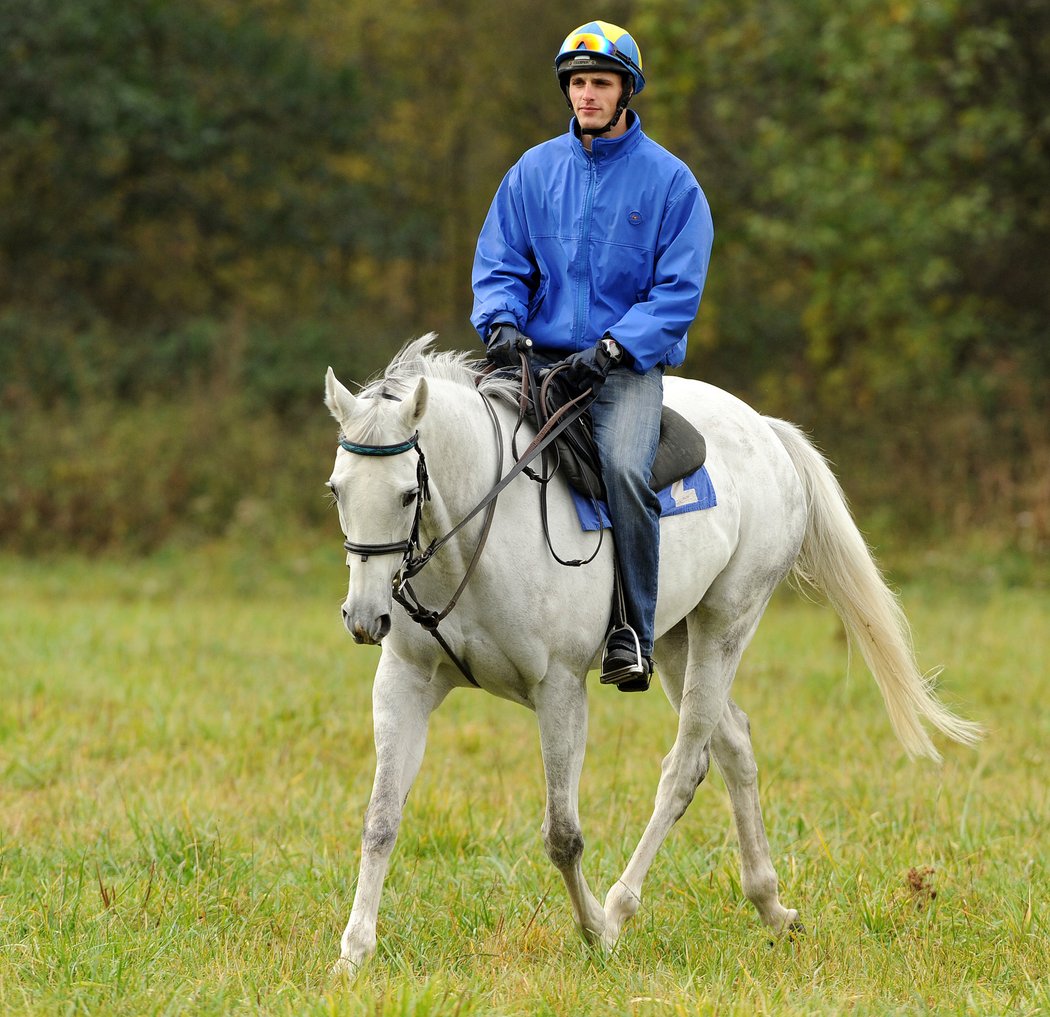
415,556
404,547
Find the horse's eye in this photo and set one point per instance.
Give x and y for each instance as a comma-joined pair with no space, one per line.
409,497
331,488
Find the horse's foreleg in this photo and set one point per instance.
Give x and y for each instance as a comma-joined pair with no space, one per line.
401,705
561,709
735,758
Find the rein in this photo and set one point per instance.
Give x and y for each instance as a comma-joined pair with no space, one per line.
412,563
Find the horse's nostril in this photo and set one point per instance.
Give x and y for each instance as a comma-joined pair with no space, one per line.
364,631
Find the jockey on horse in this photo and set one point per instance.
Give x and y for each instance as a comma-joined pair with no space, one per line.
596,248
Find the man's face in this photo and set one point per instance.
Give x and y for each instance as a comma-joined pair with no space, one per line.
594,95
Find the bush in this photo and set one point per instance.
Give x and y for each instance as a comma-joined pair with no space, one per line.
100,476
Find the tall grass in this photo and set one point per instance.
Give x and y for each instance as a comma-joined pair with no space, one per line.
185,757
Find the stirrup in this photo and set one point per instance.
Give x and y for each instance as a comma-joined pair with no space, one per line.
628,670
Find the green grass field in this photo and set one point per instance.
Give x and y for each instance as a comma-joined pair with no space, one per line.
185,757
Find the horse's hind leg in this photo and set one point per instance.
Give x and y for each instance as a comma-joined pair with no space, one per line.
735,758
715,646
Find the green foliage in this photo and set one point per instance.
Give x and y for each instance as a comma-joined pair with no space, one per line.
162,162
227,197
880,175
884,160
47,366
93,478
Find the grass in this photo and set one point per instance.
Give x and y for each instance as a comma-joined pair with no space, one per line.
185,757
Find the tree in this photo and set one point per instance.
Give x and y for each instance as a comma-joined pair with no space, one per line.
164,161
880,177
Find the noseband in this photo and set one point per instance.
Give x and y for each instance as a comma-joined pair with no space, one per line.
405,547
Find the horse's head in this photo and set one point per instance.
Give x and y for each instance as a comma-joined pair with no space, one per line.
376,483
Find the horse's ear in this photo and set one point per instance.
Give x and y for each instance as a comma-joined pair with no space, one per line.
338,398
413,408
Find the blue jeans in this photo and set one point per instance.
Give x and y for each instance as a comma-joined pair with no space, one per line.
626,423
626,420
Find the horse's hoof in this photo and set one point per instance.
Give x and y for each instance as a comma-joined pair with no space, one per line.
791,929
592,937
345,970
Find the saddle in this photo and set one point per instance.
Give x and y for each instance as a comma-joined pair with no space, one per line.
681,451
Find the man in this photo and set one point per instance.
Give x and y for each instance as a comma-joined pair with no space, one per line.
596,247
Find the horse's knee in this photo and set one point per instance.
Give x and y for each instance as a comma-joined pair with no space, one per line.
563,842
380,832
738,765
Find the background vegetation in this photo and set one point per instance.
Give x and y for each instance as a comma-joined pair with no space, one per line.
204,204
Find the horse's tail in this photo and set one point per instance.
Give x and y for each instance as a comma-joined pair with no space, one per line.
836,560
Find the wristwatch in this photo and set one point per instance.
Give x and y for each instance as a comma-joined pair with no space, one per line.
613,350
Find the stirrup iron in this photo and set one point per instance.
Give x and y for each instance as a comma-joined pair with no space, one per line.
630,675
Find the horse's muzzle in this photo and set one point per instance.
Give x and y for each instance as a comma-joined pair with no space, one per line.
371,633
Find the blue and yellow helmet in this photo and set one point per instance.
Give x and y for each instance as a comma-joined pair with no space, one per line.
600,46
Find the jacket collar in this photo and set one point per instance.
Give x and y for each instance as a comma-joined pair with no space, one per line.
607,149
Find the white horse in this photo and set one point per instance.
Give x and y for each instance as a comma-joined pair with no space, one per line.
529,630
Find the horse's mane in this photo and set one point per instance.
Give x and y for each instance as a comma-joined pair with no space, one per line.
416,359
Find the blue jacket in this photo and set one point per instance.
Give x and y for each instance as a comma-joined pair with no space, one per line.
578,244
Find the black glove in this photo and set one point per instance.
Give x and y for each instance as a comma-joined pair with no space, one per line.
590,368
505,345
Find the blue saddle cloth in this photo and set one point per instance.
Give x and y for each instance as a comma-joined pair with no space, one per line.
690,494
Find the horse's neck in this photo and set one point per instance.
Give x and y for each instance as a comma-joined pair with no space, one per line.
462,456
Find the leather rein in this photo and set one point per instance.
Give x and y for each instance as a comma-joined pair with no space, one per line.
415,556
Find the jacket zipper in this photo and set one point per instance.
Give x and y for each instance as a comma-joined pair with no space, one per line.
583,257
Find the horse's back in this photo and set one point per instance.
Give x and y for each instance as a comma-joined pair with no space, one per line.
740,442
760,517
710,408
